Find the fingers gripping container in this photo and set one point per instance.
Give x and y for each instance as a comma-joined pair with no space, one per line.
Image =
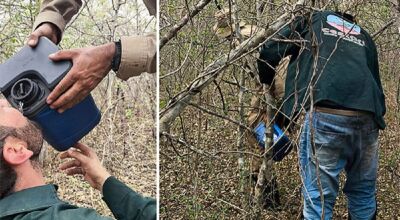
26,80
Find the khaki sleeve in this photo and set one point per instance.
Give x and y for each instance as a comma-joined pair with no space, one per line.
139,54
57,12
151,6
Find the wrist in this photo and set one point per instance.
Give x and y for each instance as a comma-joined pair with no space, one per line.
55,31
109,51
102,180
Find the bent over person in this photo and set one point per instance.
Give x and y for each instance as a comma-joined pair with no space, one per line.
24,194
334,76
128,57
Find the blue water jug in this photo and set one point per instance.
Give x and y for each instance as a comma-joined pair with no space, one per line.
26,80
281,146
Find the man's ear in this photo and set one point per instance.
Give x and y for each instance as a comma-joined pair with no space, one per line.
15,151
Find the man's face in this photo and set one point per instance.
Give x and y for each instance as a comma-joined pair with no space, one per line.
11,117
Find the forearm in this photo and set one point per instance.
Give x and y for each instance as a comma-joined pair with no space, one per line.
151,6
274,50
125,203
57,12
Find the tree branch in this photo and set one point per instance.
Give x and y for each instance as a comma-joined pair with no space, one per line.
212,71
172,33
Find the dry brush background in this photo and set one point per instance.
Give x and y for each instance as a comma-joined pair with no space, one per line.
200,176
125,140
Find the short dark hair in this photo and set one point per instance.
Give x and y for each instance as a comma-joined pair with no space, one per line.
32,135
8,176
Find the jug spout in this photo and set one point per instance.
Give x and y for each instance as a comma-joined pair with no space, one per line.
28,95
27,92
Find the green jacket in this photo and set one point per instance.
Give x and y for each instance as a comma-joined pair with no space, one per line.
42,203
347,69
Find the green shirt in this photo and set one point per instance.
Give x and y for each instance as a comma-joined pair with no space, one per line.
43,203
347,69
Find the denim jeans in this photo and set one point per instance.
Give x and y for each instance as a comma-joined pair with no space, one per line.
341,143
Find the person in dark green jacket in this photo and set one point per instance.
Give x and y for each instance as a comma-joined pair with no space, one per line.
333,76
24,194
